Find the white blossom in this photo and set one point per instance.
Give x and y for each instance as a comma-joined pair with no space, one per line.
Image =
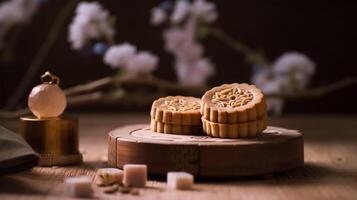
119,55
191,68
142,62
270,84
180,40
294,62
267,82
301,80
204,10
181,10
262,77
158,16
205,67
13,13
92,21
274,86
290,72
175,38
194,73
126,57
189,51
296,69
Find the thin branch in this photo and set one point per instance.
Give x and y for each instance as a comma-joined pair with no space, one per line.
92,93
42,53
319,91
251,55
91,86
92,97
105,82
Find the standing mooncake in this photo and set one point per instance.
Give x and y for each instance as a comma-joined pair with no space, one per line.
233,111
176,115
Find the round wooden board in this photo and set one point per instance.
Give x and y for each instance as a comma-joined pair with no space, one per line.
276,149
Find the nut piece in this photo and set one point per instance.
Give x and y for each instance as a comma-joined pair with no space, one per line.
111,188
108,176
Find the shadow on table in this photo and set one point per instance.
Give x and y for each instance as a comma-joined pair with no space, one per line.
309,174
44,180
10,184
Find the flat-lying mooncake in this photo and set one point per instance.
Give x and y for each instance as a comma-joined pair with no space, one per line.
176,115
233,103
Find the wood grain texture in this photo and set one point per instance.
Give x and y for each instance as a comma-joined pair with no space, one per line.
275,150
330,170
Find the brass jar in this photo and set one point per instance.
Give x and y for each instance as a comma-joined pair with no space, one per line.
55,139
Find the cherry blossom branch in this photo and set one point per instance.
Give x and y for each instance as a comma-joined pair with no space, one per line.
91,86
319,91
253,56
104,91
112,81
88,94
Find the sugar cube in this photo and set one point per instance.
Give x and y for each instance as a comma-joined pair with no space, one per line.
135,175
79,186
179,180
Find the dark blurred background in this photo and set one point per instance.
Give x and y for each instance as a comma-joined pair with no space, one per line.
324,30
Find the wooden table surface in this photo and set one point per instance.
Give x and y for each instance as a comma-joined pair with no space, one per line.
330,170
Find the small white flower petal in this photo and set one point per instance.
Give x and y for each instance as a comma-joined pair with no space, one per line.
205,67
294,62
119,55
175,38
204,10
189,51
194,73
13,13
274,86
158,16
91,22
142,63
262,77
181,10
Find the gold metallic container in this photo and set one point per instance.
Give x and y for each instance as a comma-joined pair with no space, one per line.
55,139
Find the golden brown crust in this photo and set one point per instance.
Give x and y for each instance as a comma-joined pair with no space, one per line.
175,128
238,130
180,110
250,110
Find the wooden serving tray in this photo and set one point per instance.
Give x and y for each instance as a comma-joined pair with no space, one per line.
276,149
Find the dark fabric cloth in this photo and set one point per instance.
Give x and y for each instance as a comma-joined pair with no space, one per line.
15,154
